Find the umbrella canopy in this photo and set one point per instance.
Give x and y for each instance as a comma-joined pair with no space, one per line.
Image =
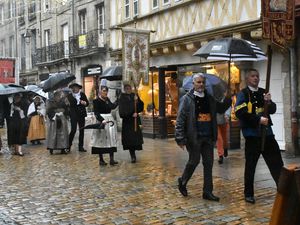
8,89
98,125
112,73
57,80
214,85
231,49
36,90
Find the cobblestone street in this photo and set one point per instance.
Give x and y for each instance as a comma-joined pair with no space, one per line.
40,188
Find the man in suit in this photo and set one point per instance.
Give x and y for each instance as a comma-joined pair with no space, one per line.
78,103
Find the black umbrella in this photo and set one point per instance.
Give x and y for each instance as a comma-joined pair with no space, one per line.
231,49
8,89
35,89
57,80
112,73
98,125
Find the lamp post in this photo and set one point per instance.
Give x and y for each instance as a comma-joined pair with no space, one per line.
27,36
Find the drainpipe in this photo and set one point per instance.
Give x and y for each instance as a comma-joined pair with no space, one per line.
294,99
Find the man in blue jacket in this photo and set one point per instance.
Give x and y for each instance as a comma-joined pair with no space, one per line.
249,109
196,130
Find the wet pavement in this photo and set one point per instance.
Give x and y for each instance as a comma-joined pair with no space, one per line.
40,188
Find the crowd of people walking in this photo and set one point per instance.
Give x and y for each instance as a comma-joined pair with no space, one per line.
34,119
202,122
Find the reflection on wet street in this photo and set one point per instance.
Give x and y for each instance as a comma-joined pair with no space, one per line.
40,188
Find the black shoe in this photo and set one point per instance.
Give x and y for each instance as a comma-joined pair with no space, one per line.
225,152
210,196
133,160
250,199
113,162
81,149
182,188
220,161
102,163
63,151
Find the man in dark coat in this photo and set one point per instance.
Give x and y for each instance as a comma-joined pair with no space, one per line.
249,109
78,103
196,130
129,107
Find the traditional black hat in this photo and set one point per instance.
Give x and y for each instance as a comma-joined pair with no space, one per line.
75,85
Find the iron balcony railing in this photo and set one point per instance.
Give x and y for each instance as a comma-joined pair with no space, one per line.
88,43
53,52
85,44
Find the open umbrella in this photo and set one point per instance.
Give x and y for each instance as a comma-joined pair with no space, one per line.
98,125
112,73
57,80
8,89
231,49
37,90
214,85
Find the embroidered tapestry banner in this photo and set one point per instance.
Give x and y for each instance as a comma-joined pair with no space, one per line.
279,21
135,56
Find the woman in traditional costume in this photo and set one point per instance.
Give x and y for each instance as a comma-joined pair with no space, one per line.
130,105
104,140
36,114
17,124
57,111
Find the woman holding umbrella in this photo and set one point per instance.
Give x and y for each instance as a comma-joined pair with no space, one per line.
104,140
17,124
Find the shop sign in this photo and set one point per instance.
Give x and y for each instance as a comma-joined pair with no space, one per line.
7,71
135,56
279,21
82,41
93,71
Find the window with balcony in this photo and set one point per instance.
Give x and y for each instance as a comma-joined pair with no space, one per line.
155,4
21,12
82,21
100,18
31,9
11,9
135,7
11,46
127,9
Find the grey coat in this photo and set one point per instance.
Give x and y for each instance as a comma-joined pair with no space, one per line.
185,129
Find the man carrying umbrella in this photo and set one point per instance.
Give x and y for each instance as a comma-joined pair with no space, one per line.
249,109
196,130
78,103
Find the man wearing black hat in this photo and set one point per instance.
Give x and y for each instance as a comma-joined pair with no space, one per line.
78,102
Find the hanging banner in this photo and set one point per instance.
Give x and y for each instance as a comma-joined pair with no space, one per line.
135,56
7,71
279,21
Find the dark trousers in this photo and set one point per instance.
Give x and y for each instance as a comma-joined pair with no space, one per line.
271,155
204,147
81,123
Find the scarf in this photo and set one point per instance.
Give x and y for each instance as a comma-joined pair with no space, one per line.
199,94
77,97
